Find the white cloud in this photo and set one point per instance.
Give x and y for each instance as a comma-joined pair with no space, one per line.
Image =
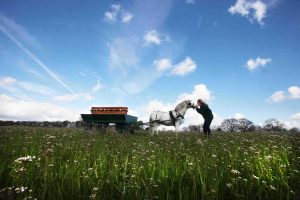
296,117
260,11
17,109
116,7
127,17
117,13
277,96
110,16
74,97
200,92
258,62
145,77
36,88
190,2
152,37
162,64
253,10
5,82
294,92
185,67
294,121
238,116
97,87
13,85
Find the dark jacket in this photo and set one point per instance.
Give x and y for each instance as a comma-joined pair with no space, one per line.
205,111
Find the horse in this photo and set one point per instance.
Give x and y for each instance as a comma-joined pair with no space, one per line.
172,118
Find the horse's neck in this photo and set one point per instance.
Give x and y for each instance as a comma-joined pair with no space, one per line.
182,111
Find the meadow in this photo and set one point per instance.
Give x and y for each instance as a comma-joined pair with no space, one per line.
66,163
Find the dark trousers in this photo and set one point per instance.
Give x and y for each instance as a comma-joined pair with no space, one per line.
206,126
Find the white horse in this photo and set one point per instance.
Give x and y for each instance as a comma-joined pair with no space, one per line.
171,118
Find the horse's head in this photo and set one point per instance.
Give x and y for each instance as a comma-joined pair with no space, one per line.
190,104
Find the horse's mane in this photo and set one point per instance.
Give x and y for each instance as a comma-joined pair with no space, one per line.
179,106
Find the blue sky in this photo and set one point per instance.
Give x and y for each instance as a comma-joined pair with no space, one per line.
59,58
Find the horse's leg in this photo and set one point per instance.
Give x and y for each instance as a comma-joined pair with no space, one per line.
156,128
151,129
177,128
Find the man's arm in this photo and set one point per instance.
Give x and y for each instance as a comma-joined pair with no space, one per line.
198,109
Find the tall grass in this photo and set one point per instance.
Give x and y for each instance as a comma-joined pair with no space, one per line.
52,163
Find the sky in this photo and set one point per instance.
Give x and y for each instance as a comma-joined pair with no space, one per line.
59,58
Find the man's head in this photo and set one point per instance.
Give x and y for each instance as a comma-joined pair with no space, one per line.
199,102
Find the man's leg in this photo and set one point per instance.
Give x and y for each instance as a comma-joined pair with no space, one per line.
205,128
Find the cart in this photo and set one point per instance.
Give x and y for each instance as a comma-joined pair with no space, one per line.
109,118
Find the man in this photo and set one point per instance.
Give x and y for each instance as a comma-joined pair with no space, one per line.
206,113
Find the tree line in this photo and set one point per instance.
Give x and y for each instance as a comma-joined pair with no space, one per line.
245,125
228,125
66,123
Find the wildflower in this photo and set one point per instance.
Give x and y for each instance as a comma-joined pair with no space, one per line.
213,191
21,189
22,169
25,159
229,185
199,142
95,189
292,192
235,172
213,155
190,164
255,177
268,157
272,187
92,196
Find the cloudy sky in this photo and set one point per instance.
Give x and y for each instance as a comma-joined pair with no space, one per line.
59,58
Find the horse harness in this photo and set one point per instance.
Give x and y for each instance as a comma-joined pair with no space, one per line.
174,118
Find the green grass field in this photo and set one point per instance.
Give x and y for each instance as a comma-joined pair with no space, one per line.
57,163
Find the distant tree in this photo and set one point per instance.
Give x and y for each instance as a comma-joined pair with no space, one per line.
273,125
230,125
46,124
295,130
258,128
185,129
245,125
194,128
65,123
215,128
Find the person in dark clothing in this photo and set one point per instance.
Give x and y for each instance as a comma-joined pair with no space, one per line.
206,113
